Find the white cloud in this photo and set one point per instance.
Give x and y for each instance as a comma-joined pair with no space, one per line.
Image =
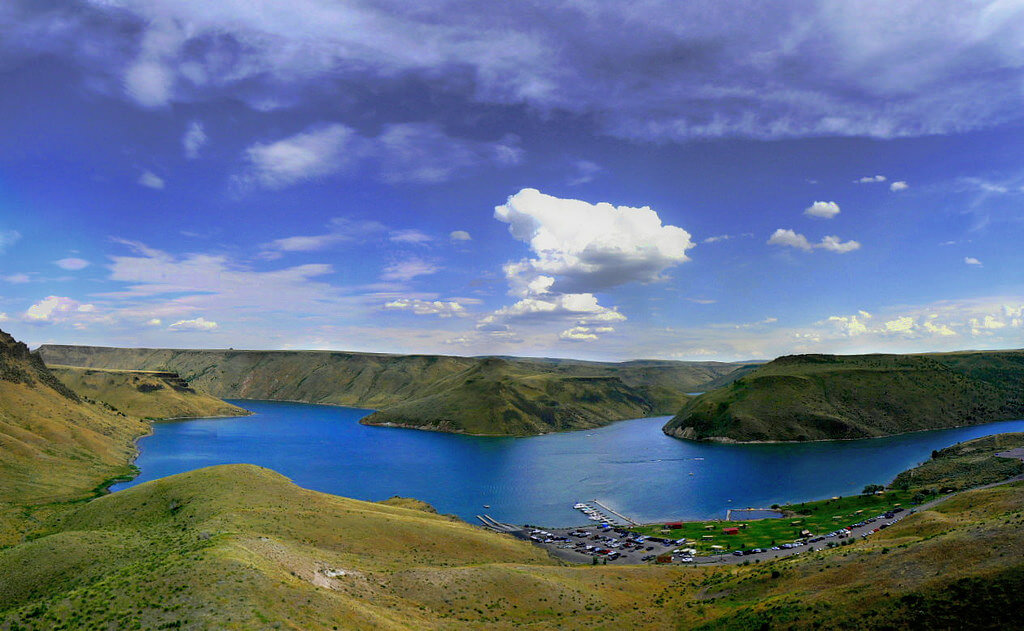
16,279
789,238
903,324
459,235
55,308
195,324
587,247
585,172
578,334
194,139
406,152
835,244
340,230
440,308
410,236
408,269
154,322
898,186
851,325
823,210
8,238
3,317
151,180
72,263
868,179
970,260
583,307
939,329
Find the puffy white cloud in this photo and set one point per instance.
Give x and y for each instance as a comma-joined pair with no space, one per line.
935,328
410,236
970,260
194,139
578,334
440,308
151,180
851,325
8,238
587,247
408,269
835,244
459,235
868,179
405,152
72,263
583,307
904,324
195,324
823,210
788,238
895,187
55,309
154,322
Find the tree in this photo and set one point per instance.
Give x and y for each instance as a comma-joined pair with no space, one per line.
871,489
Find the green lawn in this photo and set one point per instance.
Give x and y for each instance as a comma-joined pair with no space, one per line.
820,517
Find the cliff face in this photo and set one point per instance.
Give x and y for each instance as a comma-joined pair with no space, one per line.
492,395
820,397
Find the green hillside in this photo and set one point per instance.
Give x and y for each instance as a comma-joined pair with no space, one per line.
821,397
489,395
239,547
143,394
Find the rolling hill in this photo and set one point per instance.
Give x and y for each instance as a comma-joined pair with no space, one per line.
144,394
478,395
823,397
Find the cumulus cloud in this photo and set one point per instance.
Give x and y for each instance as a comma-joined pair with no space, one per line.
55,309
851,325
72,263
970,260
823,210
459,235
587,247
788,238
8,238
440,308
194,139
402,153
195,324
151,180
869,179
895,187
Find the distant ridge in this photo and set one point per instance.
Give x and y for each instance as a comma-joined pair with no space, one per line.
476,395
822,397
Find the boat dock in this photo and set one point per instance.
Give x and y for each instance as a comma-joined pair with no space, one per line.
494,524
596,511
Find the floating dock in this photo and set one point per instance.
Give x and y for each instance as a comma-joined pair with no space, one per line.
596,511
494,524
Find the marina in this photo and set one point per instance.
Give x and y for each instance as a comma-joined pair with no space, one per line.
596,511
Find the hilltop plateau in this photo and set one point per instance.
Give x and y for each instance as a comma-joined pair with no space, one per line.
823,397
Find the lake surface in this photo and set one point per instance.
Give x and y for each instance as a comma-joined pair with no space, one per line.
629,466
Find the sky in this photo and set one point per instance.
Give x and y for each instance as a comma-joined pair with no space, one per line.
715,180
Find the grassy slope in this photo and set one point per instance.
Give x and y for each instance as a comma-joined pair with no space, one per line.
152,395
815,397
54,447
966,465
525,396
240,547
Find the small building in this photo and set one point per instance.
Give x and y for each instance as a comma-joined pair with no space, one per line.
663,558
731,531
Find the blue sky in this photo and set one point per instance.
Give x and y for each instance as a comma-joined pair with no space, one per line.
724,180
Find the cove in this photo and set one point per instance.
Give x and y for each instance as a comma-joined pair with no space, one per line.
630,465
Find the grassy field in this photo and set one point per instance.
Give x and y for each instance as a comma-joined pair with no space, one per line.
820,517
822,397
966,465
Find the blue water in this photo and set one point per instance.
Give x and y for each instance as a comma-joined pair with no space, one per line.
630,466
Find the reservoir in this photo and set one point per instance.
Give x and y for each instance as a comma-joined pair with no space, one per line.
629,466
